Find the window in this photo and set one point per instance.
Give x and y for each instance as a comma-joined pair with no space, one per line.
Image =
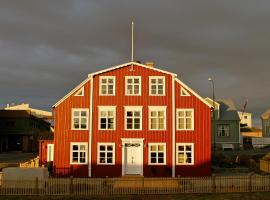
50,152
157,117
80,92
79,119
133,117
185,119
106,155
223,130
184,153
157,154
107,85
106,117
133,85
78,153
156,85
245,117
183,92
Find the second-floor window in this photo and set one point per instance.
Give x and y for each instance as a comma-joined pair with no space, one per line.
79,119
185,119
133,85
106,117
223,130
107,85
157,85
157,117
133,117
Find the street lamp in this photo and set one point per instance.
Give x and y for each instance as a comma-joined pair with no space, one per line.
214,115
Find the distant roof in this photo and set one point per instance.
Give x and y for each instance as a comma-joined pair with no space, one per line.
14,113
36,112
252,129
266,114
46,135
227,110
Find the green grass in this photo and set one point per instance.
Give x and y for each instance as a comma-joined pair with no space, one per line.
226,196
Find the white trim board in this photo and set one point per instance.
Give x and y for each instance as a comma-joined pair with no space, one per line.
130,63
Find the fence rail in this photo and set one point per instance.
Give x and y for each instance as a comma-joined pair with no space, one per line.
136,185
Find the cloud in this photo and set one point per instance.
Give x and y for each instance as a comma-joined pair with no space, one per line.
46,48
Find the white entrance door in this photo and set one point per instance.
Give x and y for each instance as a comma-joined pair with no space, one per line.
133,161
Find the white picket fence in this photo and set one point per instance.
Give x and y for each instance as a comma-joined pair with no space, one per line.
122,186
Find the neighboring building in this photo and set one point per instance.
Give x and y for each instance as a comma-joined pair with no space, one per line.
227,125
45,147
246,118
266,123
19,129
132,119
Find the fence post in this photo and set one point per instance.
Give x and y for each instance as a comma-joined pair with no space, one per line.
213,183
179,182
71,186
143,185
106,185
250,182
36,185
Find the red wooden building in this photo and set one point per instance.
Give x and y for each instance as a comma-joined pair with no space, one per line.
132,119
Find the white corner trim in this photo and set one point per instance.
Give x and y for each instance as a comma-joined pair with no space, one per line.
173,126
193,92
71,92
90,127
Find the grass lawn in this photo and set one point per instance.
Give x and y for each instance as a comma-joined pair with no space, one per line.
227,196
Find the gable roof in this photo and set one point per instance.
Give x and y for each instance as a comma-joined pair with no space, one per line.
266,114
71,92
227,110
193,92
130,63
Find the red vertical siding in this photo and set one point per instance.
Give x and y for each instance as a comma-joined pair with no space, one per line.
200,136
64,135
120,100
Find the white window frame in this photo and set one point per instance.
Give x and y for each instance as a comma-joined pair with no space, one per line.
126,85
86,152
157,109
100,85
113,152
133,109
50,154
192,153
192,119
184,92
106,109
227,134
150,84
72,118
164,152
80,90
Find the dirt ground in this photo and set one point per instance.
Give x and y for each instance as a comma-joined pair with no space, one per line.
227,196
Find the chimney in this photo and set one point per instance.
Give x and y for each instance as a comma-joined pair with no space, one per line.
150,64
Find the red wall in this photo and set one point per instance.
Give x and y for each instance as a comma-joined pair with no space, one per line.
42,151
200,136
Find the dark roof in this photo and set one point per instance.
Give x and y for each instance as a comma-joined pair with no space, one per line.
14,113
46,135
227,110
266,114
248,129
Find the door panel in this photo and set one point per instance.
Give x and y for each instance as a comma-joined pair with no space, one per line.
133,158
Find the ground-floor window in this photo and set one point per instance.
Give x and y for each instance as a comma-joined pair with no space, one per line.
157,154
78,152
106,153
184,153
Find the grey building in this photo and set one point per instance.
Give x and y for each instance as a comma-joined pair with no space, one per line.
227,125
266,123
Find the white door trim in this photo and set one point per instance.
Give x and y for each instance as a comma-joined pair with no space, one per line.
129,140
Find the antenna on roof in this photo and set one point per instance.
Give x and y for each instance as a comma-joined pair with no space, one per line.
132,46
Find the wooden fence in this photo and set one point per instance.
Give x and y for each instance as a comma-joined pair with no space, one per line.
265,166
122,186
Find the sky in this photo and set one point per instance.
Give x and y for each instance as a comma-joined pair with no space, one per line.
49,47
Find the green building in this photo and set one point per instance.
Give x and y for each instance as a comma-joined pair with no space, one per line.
227,125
